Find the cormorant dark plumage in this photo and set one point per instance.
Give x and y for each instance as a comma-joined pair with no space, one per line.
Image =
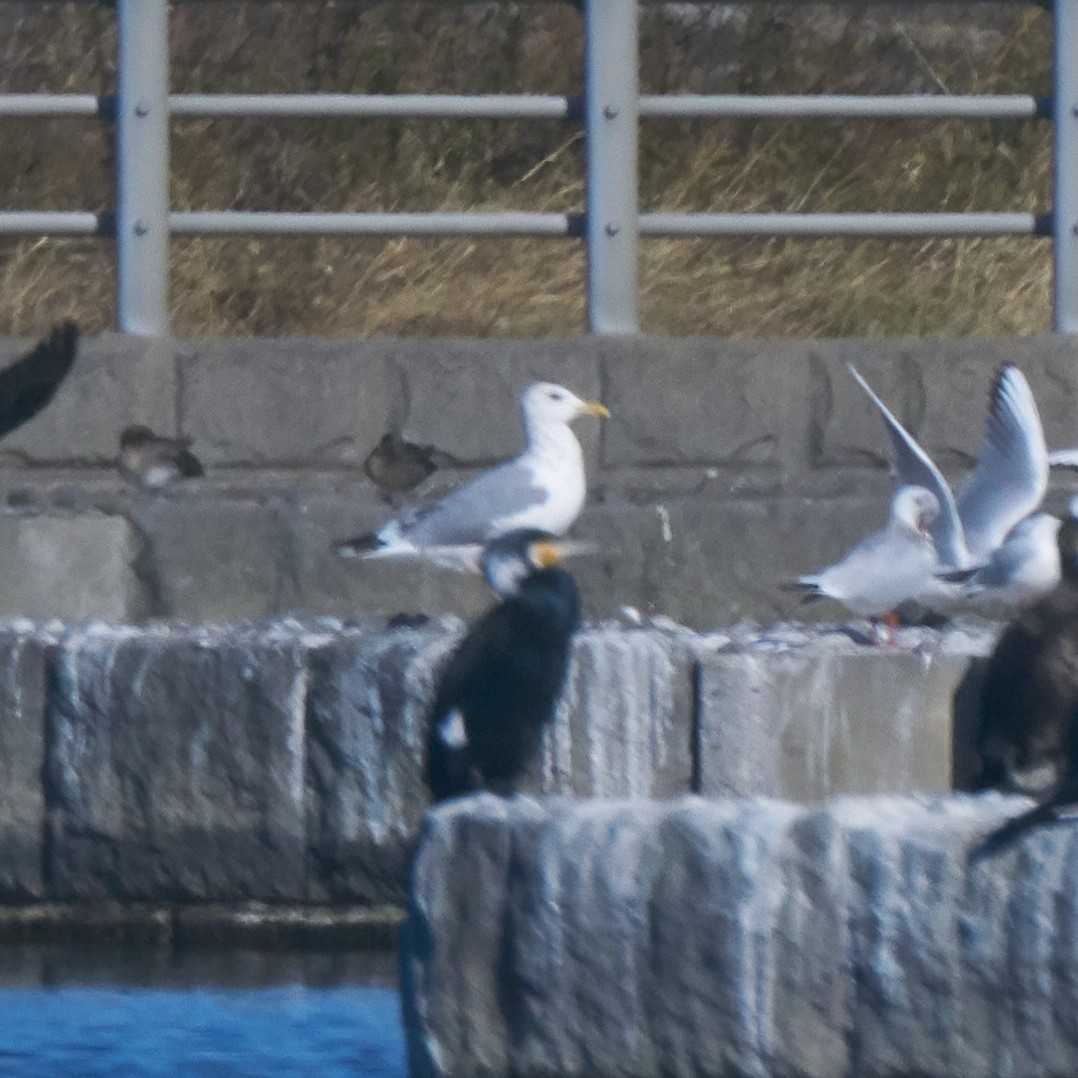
1029,702
500,687
32,381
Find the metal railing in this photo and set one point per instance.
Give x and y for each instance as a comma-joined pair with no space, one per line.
610,110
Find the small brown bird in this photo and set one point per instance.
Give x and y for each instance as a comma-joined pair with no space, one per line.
153,462
28,385
1029,702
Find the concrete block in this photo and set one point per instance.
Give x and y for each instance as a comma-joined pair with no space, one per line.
829,718
693,938
847,429
704,401
285,402
624,724
176,764
22,758
70,566
463,394
366,733
117,380
206,558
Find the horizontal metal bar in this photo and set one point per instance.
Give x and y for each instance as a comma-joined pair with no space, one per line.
899,106
54,223
474,106
844,224
236,222
545,107
54,105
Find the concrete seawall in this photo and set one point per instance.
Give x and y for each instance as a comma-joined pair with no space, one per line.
751,938
726,466
279,762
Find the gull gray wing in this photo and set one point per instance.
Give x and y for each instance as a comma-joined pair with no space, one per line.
476,511
914,467
1011,476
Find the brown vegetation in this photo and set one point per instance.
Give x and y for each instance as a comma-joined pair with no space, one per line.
344,286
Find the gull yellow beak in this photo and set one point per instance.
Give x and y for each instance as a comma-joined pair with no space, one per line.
595,408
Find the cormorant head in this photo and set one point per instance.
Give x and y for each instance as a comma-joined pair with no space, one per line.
510,559
1068,544
915,508
545,403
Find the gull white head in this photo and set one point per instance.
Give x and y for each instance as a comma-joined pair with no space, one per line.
915,509
546,403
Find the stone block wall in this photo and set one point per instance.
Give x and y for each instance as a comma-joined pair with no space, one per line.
280,762
726,467
700,938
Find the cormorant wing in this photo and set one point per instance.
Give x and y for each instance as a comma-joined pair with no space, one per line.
29,383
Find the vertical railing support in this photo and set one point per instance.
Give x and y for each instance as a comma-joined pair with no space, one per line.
142,166
611,104
1065,167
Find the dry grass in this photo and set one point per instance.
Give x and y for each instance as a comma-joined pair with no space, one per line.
344,286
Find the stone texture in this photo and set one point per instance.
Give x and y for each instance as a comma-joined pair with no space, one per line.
624,725
752,938
67,566
805,723
175,765
284,402
22,757
366,734
116,381
706,402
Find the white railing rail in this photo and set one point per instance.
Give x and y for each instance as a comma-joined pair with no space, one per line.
610,109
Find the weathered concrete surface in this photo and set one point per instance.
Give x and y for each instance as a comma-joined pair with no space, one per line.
22,759
176,765
281,761
749,938
68,566
726,466
366,733
805,722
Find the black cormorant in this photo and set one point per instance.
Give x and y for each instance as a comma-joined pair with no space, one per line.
1029,702
32,381
500,687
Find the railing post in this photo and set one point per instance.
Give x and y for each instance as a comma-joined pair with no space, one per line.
1065,167
142,166
611,102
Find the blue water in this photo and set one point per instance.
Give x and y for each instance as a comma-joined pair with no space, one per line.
287,1027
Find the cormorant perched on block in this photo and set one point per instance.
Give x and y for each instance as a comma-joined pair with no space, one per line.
1029,703
501,685
32,381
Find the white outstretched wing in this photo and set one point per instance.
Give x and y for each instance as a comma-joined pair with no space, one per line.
914,467
1011,476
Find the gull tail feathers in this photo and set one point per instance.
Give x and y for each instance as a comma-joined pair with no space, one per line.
807,586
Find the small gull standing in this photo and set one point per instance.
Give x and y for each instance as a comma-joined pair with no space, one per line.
1008,483
885,568
1019,571
544,488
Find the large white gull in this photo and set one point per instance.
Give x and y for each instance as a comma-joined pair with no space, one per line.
1007,484
543,488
